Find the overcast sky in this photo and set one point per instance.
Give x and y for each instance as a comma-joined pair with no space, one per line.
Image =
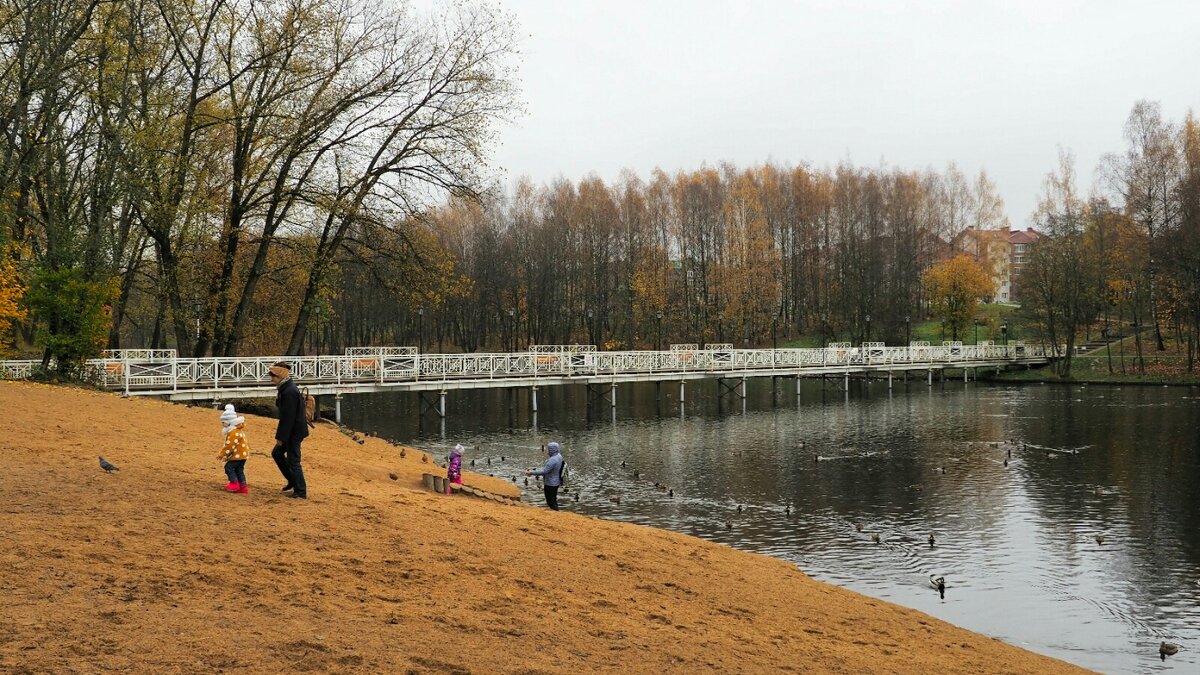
994,85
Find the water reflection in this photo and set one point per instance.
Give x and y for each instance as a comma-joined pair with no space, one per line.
1017,485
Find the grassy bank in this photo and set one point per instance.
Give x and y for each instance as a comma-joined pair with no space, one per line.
990,319
1118,363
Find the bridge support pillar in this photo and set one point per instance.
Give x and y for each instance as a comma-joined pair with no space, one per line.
931,377
965,370
797,385
889,380
846,381
682,392
442,404
742,388
533,400
337,408
612,396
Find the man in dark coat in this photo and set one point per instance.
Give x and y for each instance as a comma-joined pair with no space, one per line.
292,429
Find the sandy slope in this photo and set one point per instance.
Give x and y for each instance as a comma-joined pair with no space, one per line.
156,569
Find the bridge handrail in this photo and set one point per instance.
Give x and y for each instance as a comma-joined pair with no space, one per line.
367,365
561,349
141,354
381,351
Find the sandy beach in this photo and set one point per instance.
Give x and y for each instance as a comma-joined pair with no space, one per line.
156,568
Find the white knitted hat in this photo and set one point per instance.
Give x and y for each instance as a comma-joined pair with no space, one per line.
229,415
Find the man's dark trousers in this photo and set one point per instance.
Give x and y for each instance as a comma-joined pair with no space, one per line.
287,458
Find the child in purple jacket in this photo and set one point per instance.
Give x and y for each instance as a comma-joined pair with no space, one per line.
454,467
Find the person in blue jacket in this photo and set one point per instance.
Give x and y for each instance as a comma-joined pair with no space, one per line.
551,473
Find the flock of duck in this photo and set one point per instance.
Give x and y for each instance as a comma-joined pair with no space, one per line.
936,582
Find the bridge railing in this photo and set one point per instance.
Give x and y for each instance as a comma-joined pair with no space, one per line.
18,369
161,370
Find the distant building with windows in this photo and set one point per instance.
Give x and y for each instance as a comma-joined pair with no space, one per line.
1001,253
1019,241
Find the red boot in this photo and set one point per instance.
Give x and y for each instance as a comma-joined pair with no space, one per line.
243,489
232,486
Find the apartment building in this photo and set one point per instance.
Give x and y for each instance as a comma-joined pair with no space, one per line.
1002,254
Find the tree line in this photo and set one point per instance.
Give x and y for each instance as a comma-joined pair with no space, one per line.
748,256
1124,258
195,173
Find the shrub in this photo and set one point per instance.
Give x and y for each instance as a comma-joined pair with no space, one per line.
72,317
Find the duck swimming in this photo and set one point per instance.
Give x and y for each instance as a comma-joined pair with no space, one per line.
940,584
1167,649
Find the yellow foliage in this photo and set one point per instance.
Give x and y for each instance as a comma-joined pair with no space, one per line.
954,288
12,289
747,277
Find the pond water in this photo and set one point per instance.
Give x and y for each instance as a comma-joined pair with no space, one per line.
1017,542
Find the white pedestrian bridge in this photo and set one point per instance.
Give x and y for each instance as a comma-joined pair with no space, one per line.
162,373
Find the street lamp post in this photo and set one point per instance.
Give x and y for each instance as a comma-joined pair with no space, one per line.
773,322
868,319
318,338
720,327
976,331
591,327
658,340
907,332
421,329
1004,332
512,330
824,317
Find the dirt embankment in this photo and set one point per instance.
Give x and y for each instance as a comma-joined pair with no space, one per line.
156,569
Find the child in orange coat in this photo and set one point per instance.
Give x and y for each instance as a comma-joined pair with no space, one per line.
236,450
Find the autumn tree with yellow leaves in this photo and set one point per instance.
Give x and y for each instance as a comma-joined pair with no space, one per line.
12,289
954,288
